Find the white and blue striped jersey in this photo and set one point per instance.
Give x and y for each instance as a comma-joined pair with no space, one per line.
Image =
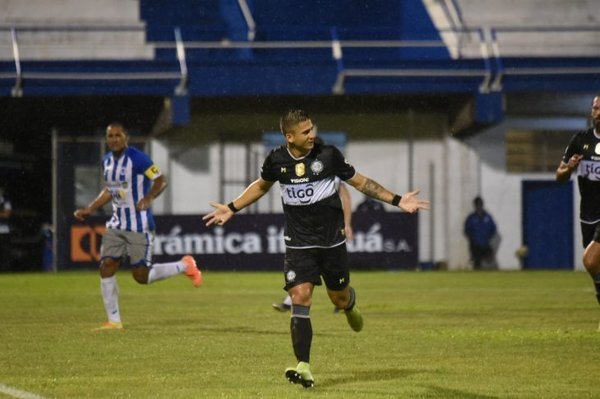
128,179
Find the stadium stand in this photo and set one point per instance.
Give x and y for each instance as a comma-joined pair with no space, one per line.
313,48
73,30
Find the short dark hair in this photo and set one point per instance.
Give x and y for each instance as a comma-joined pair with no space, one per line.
291,118
478,201
117,125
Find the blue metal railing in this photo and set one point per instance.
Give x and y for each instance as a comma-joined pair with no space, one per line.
476,55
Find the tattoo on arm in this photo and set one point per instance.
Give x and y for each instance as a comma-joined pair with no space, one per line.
374,190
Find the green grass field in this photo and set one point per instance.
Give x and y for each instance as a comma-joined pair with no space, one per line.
426,335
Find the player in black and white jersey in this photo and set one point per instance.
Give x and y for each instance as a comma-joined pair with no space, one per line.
583,157
314,225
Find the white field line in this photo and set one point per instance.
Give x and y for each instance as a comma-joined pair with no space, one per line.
17,393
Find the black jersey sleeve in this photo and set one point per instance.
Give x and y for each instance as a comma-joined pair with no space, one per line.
268,170
341,167
575,147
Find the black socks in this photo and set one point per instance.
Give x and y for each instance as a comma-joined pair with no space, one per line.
301,330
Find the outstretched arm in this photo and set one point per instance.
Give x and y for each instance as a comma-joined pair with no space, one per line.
102,199
408,202
251,194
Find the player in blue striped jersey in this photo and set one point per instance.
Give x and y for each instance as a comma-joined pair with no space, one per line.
132,182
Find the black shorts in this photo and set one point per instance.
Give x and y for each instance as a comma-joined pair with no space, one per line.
309,265
590,232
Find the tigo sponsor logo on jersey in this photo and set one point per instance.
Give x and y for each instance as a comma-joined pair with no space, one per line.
303,193
590,170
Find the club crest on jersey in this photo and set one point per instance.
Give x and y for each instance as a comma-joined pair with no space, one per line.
316,167
300,169
597,148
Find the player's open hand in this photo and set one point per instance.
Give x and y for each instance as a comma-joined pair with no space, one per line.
219,216
411,203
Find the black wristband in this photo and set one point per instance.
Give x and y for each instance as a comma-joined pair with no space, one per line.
396,199
232,207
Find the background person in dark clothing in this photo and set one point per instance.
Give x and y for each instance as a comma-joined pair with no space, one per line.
480,229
